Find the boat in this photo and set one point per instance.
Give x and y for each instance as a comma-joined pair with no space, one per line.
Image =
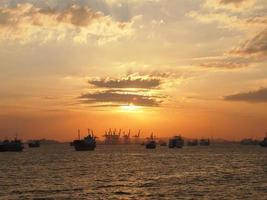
204,142
176,142
12,145
249,141
151,143
34,144
86,144
73,142
263,143
192,142
162,143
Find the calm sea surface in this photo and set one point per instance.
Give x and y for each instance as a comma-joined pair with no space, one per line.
132,172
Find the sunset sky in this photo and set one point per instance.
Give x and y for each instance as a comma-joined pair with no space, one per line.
192,67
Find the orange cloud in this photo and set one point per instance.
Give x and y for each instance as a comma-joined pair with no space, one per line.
255,46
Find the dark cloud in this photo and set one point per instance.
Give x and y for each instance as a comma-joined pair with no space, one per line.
145,83
258,96
114,97
254,46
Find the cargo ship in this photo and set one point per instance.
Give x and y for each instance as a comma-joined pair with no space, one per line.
176,142
86,144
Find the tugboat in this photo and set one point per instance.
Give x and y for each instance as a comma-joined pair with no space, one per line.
204,142
34,144
151,143
13,145
176,142
263,143
192,142
86,144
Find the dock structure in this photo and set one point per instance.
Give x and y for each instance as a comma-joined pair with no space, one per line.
137,137
127,137
112,137
151,142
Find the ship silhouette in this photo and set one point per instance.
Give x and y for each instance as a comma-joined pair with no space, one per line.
11,145
193,142
263,143
86,144
204,142
176,142
151,143
249,141
34,144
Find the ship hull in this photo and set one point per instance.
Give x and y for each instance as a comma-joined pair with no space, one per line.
9,148
34,145
151,145
84,148
263,144
176,143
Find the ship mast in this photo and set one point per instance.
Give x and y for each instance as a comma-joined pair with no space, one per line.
79,137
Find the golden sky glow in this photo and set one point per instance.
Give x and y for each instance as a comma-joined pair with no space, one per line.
193,67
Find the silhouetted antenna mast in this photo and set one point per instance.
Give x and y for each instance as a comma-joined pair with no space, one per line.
79,136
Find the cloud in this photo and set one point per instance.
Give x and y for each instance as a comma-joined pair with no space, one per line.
230,22
233,5
227,63
127,82
258,96
256,46
140,90
113,97
253,49
235,2
25,21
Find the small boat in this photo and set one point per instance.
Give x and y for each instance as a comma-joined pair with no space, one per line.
86,144
13,145
192,142
249,141
34,144
204,142
176,142
151,143
263,143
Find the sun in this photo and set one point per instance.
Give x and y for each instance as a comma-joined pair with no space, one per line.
130,108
